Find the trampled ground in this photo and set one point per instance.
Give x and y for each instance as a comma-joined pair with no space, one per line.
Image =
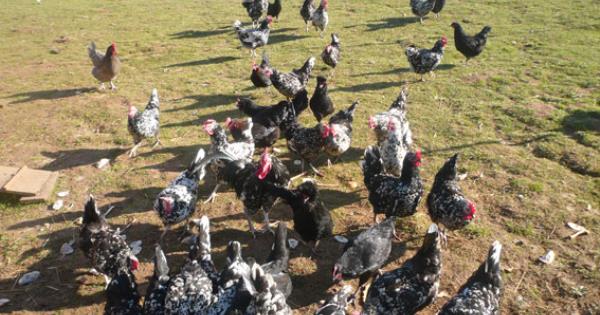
525,118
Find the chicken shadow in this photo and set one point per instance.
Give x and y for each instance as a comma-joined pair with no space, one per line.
48,95
201,34
385,72
182,157
204,101
218,116
375,86
581,120
209,61
66,159
392,22
282,38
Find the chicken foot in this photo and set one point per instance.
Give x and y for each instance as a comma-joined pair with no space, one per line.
213,195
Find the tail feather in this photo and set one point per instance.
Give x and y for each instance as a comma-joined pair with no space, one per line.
346,115
237,25
154,102
90,213
280,250
372,164
204,235
161,268
199,156
400,102
492,266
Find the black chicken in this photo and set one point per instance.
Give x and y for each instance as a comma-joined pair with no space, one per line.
469,46
274,9
421,8
320,102
105,247
366,253
336,305
122,296
260,73
307,10
437,8
331,53
290,84
340,137
277,262
411,287
446,202
424,60
481,294
312,220
393,196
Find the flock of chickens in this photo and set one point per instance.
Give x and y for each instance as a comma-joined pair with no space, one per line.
391,175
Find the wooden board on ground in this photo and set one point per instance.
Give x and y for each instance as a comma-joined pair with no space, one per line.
6,173
46,191
27,182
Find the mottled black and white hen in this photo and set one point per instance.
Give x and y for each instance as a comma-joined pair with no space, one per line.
268,299
253,38
446,202
470,46
336,304
307,10
105,247
277,262
255,9
320,18
366,253
421,8
203,250
424,60
312,220
437,8
122,296
320,102
260,73
146,124
154,303
411,287
332,53
481,294
290,84
340,137
393,196
177,202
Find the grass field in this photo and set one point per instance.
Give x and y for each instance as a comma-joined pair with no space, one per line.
525,117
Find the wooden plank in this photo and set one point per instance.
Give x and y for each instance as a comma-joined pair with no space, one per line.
46,191
27,182
6,173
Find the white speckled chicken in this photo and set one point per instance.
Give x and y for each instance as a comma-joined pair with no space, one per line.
332,52
154,302
481,294
421,8
424,60
336,305
255,9
379,122
413,286
307,11
203,251
145,124
340,137
122,296
320,19
254,37
268,299
290,84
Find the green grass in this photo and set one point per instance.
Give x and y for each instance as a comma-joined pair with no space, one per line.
524,116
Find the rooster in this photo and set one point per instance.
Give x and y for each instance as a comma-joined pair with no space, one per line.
320,18
312,220
274,9
154,302
421,8
423,60
277,262
307,11
320,102
122,296
411,287
340,138
255,37
393,196
437,8
260,73
481,294
255,9
177,202
366,253
105,247
470,46
446,202
331,53
145,124
106,66
290,84
336,305
219,143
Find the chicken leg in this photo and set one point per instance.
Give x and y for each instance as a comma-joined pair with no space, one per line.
157,143
250,224
213,195
133,151
112,86
102,87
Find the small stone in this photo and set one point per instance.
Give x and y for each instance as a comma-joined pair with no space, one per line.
462,176
29,277
519,242
78,221
136,247
341,239
102,163
297,162
58,204
54,51
292,243
548,258
67,248
521,197
3,302
353,184
63,194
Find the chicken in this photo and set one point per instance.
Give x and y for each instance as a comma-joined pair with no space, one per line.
106,66
154,302
393,134
255,9
177,202
437,8
190,291
290,84
320,18
105,247
144,125
481,294
393,196
332,53
277,262
413,286
320,102
340,138
307,11
122,297
312,220
366,253
254,37
260,73
274,9
336,305
423,60
470,46
238,150
268,299
421,8
446,202
202,250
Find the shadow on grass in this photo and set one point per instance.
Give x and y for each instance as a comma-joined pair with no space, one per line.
204,101
384,72
375,86
218,116
392,22
66,159
281,38
582,120
48,95
209,61
201,34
